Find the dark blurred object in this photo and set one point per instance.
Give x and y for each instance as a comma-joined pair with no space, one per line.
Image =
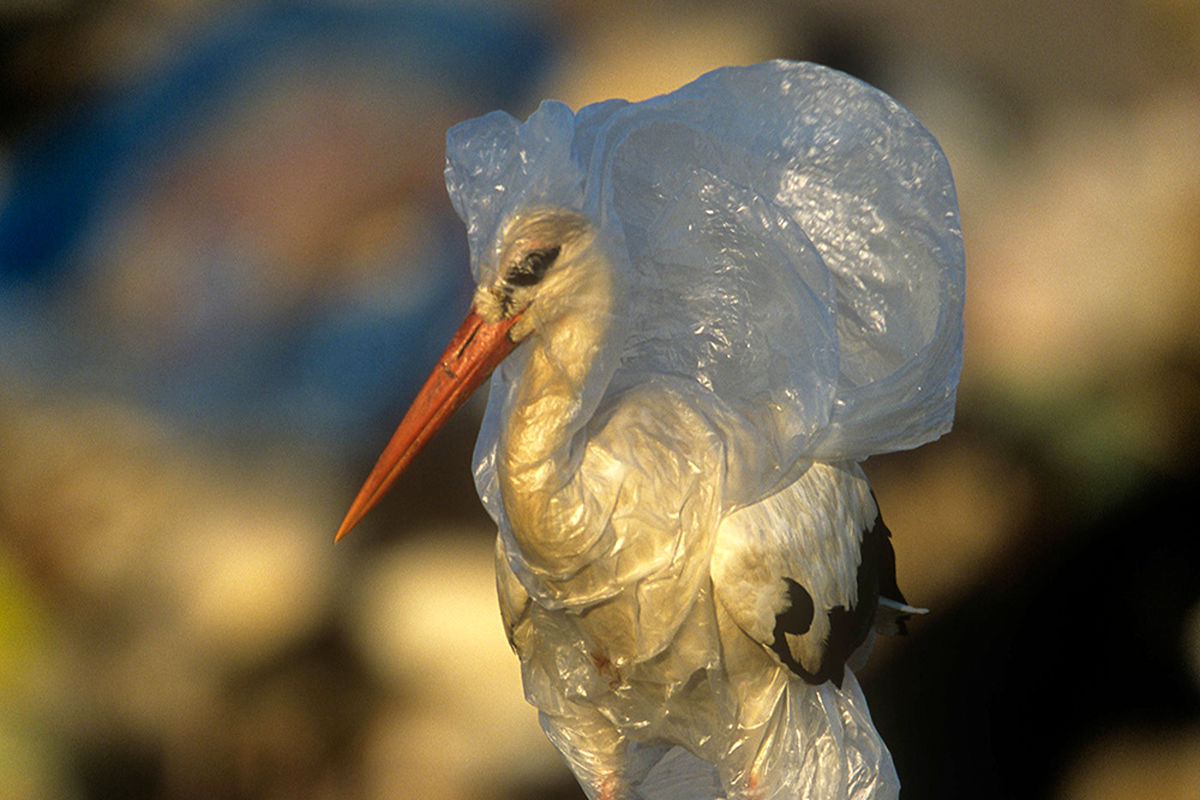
997,696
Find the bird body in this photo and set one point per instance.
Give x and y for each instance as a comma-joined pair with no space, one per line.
702,311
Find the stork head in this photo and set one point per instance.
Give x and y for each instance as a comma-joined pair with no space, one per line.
547,257
549,269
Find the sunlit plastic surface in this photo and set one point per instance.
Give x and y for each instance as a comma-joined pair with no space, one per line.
774,291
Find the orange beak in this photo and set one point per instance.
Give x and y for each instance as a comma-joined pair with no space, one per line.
474,352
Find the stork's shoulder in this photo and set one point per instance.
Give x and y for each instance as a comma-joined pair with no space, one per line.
790,569
811,529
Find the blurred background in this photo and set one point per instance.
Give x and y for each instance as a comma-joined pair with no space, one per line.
227,261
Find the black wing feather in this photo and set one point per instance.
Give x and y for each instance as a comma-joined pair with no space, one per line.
848,627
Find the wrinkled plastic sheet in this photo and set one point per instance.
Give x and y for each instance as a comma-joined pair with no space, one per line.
790,241
801,220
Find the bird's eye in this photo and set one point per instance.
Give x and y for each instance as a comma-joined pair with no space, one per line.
530,269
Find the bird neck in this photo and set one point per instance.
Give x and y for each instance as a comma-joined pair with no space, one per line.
569,361
568,368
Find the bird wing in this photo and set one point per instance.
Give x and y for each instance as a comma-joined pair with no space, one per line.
801,572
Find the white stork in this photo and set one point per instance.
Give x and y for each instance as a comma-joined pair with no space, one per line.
702,311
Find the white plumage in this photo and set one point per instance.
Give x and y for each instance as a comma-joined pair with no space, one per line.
723,298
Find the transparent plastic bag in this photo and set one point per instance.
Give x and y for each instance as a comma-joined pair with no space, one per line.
802,219
787,247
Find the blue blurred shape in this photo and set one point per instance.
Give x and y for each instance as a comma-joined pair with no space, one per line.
59,179
332,365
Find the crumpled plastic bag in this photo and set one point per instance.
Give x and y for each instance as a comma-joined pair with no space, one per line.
789,242
802,221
